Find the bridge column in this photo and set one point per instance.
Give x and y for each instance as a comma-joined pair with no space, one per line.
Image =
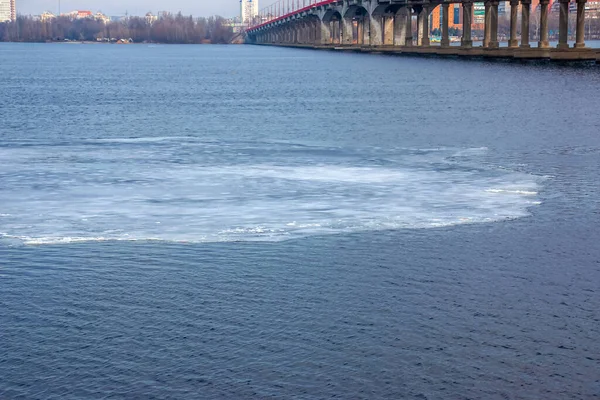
423,27
376,36
563,25
362,31
445,42
494,44
307,32
300,32
336,31
514,11
466,40
419,11
486,25
388,30
347,28
544,43
400,27
297,33
525,12
324,32
366,30
579,33
409,31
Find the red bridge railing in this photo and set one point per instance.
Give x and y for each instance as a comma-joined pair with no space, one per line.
282,9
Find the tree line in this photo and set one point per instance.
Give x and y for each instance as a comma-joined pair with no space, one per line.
175,29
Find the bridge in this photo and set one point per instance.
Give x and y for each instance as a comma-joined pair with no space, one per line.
386,26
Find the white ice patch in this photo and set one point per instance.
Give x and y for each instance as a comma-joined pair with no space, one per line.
170,191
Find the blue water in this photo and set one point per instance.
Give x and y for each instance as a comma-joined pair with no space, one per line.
236,222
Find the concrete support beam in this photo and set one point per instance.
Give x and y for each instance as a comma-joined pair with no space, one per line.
487,25
514,11
359,32
304,33
467,21
422,26
298,30
366,31
580,31
409,30
324,32
375,29
347,31
336,31
544,43
388,30
419,11
525,13
494,44
563,25
400,27
425,26
445,42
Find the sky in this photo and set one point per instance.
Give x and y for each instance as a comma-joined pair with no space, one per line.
199,8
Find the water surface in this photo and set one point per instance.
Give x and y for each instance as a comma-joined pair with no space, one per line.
235,222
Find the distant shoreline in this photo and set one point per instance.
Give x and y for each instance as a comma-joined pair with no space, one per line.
111,43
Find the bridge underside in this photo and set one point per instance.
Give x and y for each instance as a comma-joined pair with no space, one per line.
403,27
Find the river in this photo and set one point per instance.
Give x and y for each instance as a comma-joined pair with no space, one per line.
255,222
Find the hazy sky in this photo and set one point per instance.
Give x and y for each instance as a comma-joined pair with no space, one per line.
200,8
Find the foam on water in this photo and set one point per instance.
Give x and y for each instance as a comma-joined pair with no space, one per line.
186,190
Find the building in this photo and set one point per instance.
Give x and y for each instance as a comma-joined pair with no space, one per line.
8,10
150,18
454,17
102,18
82,14
248,10
47,16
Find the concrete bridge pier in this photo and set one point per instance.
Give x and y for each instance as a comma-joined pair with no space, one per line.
302,32
375,29
445,42
525,12
514,11
494,44
364,36
402,27
325,32
347,30
293,33
422,25
467,40
544,43
388,29
486,25
579,33
336,32
563,25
